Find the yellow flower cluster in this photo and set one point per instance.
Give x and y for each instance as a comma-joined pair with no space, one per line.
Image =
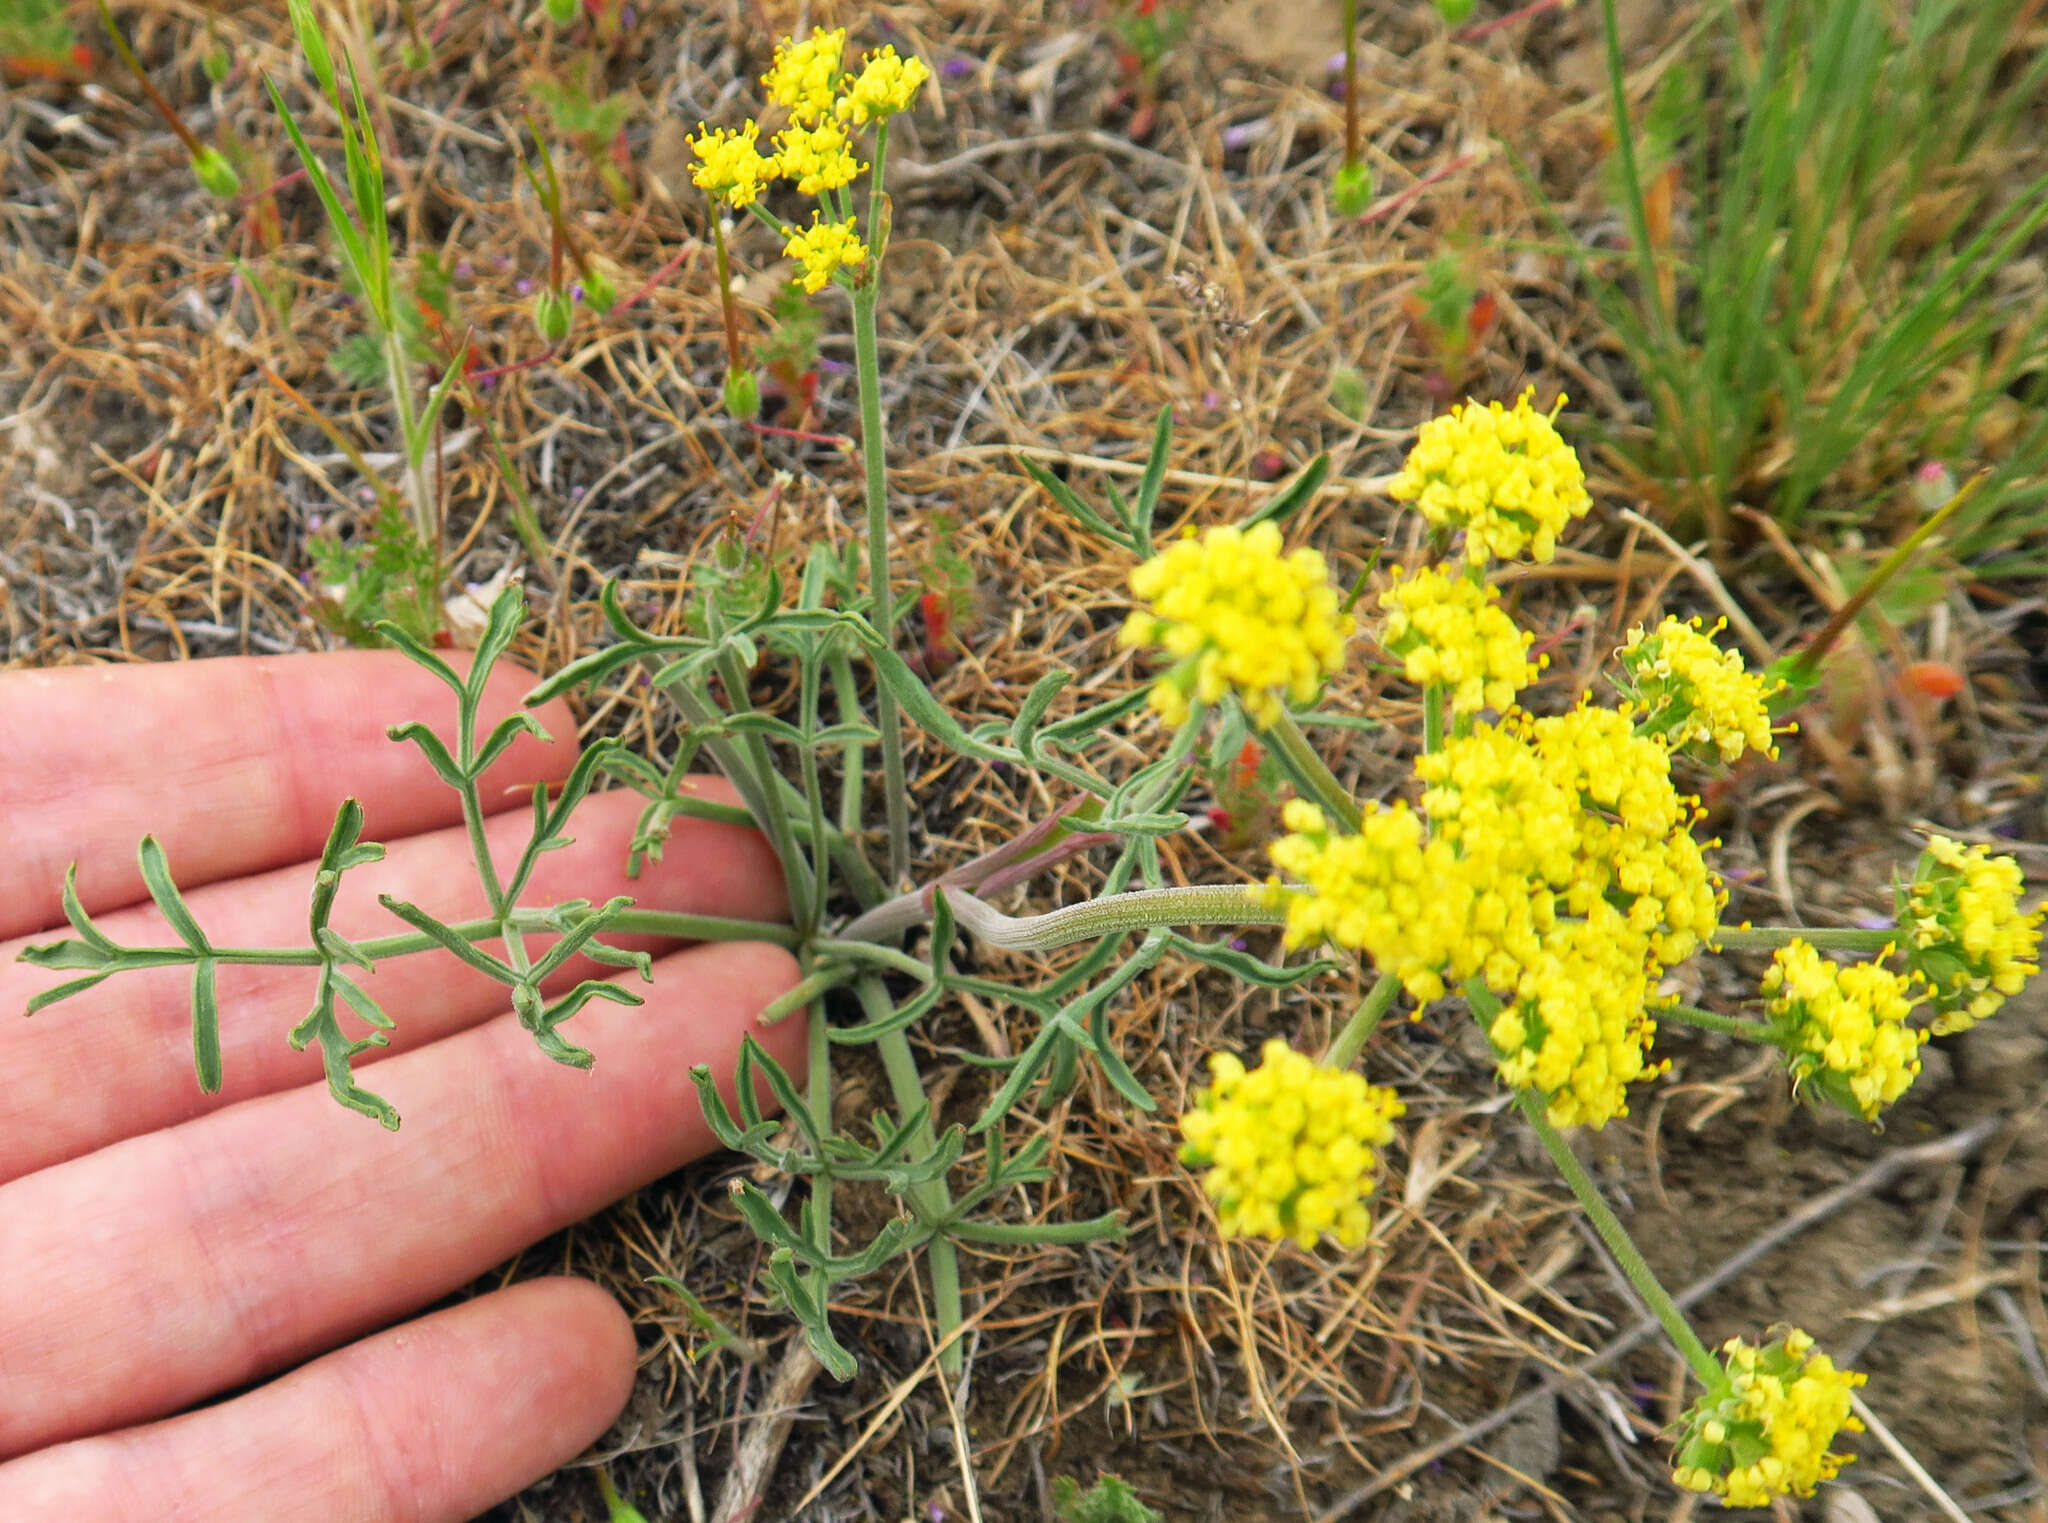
1690,692
1288,1146
816,157
886,85
1966,932
1452,630
1551,858
1765,1432
808,80
1844,1028
1503,475
1241,616
804,75
824,248
731,166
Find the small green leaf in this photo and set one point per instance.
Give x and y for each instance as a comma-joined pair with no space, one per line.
205,1026
81,922
1284,503
431,747
420,655
156,874
507,609
507,730
448,937
50,997
1154,477
1024,728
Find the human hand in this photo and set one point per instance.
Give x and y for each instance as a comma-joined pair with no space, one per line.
161,1246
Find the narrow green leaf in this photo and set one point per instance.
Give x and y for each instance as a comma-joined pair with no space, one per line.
50,997
431,747
449,938
360,1001
507,609
353,252
1155,476
1066,497
205,1026
81,922
574,939
1221,954
1297,494
507,730
1024,728
156,873
831,1353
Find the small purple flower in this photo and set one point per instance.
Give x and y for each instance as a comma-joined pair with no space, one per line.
523,286
628,15
833,367
576,291
1875,922
464,269
956,68
1237,943
314,521
1243,134
576,493
1211,401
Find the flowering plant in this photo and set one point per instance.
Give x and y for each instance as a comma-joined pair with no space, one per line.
1542,868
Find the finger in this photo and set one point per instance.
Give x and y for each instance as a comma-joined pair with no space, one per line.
154,1272
431,1422
235,765
116,1061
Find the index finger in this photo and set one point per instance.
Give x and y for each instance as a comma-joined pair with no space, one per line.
236,765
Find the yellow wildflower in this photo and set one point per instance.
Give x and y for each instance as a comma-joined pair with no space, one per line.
1844,1028
1452,630
1579,1027
805,74
816,156
1966,933
1690,692
825,248
1764,1432
886,85
1503,475
1289,1146
730,164
1241,617
1635,846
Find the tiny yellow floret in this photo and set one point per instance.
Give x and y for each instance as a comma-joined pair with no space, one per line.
1966,932
1688,692
1240,615
1288,1147
1844,1028
1502,475
1763,1431
806,74
731,166
886,85
824,249
1451,630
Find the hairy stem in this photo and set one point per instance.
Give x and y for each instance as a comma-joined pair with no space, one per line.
874,448
1768,938
1347,1044
1706,1020
1309,773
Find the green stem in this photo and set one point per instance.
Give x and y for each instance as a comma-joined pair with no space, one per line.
1112,915
1350,83
775,818
1310,775
1615,1236
730,312
818,1101
1344,1049
853,756
1706,1020
663,923
934,1200
1768,938
873,449
398,375
1432,719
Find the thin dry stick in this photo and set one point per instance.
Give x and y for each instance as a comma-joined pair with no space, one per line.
1708,578
1911,1466
754,1466
1948,1149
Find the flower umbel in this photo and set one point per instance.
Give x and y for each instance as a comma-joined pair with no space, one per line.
804,75
1965,931
1844,1028
1765,1431
824,249
1503,475
1242,616
886,85
1452,630
731,165
816,156
1288,1146
1689,692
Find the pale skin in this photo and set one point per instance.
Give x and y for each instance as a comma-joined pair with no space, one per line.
160,1246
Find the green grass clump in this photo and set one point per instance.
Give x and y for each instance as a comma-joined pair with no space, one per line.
1823,311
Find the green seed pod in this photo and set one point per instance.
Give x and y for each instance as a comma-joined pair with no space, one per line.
217,63
1351,190
215,174
600,291
562,12
551,315
742,395
1455,12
